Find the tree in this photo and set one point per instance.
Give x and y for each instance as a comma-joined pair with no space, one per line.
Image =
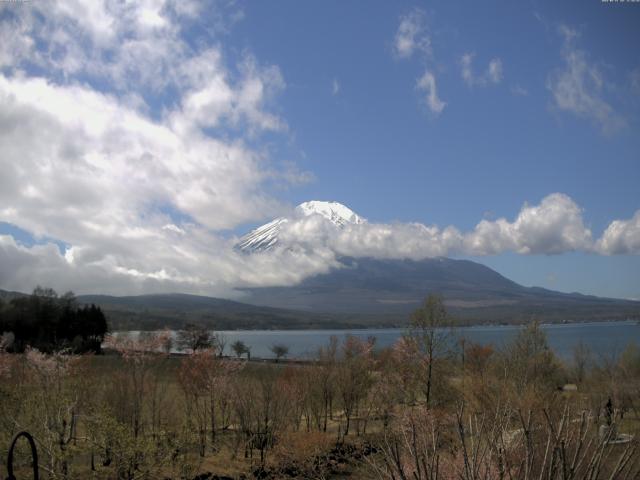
262,413
580,361
429,331
326,376
51,323
531,371
143,357
195,337
279,350
354,375
239,348
221,342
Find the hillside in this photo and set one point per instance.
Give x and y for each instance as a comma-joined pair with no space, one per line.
474,292
147,312
365,292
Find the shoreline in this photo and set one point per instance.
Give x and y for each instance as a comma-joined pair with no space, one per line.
382,328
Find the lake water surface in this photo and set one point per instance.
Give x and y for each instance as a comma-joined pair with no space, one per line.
602,338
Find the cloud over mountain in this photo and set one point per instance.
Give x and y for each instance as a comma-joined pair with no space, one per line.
554,226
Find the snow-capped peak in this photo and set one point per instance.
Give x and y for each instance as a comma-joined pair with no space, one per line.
334,211
265,237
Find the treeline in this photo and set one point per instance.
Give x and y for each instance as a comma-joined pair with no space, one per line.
49,322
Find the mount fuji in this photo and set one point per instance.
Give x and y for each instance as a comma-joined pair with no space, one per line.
266,237
392,288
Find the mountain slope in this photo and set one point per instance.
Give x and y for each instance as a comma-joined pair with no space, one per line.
174,310
394,288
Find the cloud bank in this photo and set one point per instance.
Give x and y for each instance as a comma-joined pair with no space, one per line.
554,226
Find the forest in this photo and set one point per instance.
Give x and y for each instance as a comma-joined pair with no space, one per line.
49,322
433,406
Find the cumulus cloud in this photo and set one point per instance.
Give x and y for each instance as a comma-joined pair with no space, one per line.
621,237
427,84
491,75
412,35
579,86
554,226
399,240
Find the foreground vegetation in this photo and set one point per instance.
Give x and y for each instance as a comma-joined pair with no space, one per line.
431,407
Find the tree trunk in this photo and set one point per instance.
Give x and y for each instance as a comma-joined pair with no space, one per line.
429,372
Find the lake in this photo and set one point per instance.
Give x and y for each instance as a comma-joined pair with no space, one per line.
602,338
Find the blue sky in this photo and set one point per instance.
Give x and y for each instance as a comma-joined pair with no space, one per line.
440,113
489,150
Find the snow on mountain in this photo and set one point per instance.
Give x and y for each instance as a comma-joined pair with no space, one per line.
339,214
262,238
266,236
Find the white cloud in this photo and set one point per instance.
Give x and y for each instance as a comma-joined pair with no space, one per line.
335,87
412,35
174,228
213,99
579,87
494,71
519,90
552,227
621,237
200,264
492,74
427,83
400,240
135,149
73,146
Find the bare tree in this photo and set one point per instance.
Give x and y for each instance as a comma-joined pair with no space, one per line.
220,341
430,331
354,376
327,357
581,359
